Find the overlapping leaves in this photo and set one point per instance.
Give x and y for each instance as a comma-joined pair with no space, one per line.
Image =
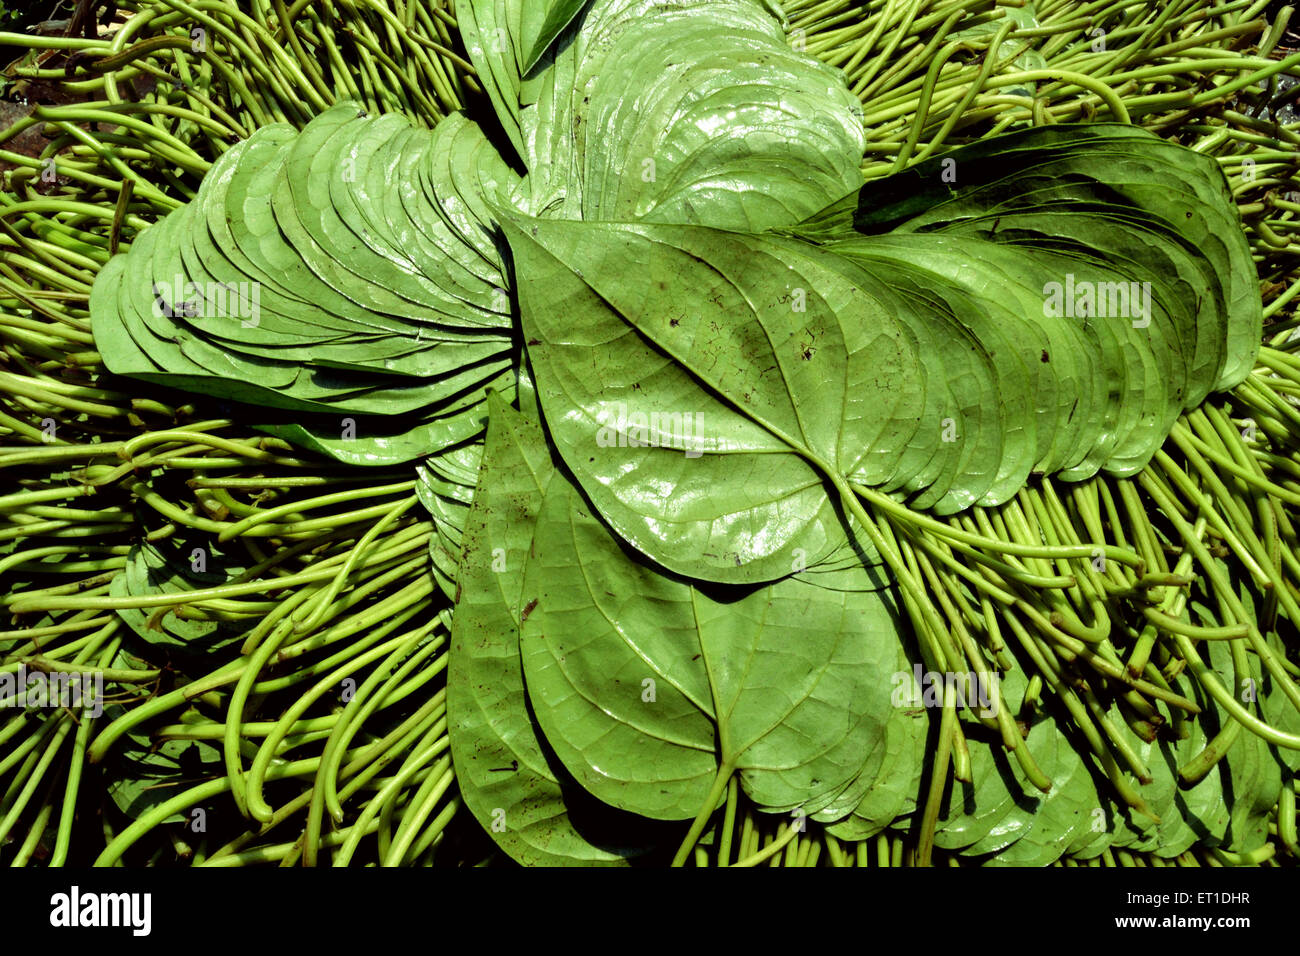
910,346
645,685
346,270
657,578
665,111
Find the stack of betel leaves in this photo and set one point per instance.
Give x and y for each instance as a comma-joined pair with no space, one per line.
658,383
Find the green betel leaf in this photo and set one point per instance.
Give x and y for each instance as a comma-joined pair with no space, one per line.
540,24
1088,188
700,458
1012,52
892,784
972,810
378,441
652,688
445,485
1255,777
506,777
177,568
148,771
1063,816
667,111
341,270
699,113
768,375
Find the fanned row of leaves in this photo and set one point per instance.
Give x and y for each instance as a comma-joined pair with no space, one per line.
344,270
732,566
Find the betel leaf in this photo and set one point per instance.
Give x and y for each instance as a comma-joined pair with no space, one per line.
1063,814
148,771
1276,709
1013,54
445,485
696,455
698,113
1201,805
340,270
1000,805
1045,743
380,441
505,773
651,687
166,568
669,111
1252,778
972,809
1070,185
893,783
762,369
541,23
351,267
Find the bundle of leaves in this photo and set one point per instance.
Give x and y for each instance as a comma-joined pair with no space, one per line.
664,360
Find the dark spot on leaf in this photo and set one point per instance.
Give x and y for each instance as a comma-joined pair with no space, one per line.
1045,358
534,341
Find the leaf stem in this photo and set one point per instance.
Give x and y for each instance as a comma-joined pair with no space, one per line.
702,818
